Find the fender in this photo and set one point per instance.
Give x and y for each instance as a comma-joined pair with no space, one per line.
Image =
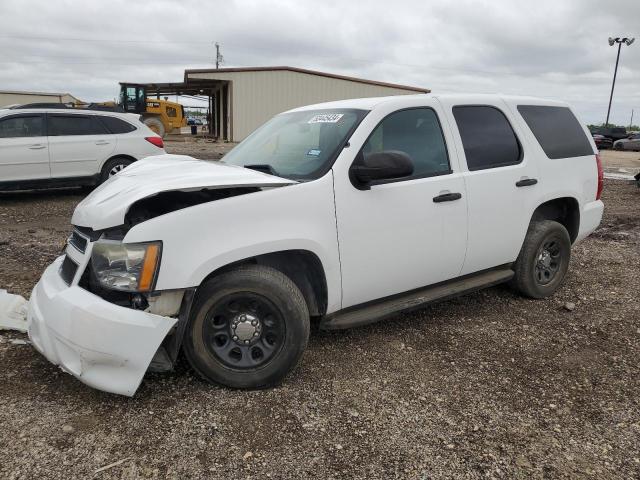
203,238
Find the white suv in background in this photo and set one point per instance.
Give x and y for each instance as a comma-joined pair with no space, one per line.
345,213
49,147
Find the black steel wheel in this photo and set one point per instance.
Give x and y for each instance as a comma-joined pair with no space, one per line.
248,328
244,330
548,261
543,260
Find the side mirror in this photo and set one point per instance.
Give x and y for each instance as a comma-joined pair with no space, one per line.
385,165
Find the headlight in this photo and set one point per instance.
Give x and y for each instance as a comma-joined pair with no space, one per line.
131,267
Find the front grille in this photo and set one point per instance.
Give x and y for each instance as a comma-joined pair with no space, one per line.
68,270
78,241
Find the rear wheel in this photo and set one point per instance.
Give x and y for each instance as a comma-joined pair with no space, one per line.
155,124
544,259
113,167
248,328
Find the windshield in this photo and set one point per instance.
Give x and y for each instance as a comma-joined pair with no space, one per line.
300,145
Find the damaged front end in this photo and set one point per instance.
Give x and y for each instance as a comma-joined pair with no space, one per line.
95,312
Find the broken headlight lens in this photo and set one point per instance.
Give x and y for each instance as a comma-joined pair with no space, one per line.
131,267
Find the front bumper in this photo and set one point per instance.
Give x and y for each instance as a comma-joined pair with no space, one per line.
103,345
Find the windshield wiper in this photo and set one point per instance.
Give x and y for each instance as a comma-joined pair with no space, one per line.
262,167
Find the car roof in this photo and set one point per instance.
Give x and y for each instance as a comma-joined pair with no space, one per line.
373,102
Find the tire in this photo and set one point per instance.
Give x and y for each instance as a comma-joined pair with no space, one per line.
113,166
276,341
539,274
155,124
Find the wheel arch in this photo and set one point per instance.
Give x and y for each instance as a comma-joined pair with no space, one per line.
564,210
303,267
117,155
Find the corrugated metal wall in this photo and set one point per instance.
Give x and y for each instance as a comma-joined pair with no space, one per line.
257,96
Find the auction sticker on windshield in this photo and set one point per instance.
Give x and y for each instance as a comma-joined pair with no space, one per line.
326,118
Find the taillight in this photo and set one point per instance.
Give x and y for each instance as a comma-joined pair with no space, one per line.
157,141
600,177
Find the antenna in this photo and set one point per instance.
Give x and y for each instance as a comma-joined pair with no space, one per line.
219,57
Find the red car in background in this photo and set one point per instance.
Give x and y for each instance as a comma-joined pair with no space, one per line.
602,142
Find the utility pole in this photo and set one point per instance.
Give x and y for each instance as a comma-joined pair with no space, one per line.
219,57
631,121
612,42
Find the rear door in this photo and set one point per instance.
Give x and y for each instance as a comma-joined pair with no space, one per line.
78,143
500,177
24,153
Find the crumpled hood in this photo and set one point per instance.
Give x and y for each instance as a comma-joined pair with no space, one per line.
108,204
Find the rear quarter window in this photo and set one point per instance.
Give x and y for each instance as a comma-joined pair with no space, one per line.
557,130
116,126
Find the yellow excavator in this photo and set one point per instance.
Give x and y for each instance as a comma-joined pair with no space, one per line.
161,116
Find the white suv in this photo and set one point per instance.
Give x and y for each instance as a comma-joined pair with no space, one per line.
46,147
345,213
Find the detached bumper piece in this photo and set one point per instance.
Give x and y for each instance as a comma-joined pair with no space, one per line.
103,345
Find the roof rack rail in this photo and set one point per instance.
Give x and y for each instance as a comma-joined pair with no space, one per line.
71,106
40,105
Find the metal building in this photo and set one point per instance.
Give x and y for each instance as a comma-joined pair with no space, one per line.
8,97
241,99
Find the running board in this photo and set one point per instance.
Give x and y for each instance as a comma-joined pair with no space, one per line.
370,313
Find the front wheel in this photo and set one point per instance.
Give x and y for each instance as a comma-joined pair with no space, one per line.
155,125
248,328
544,259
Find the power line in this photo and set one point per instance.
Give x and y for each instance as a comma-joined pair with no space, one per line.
105,40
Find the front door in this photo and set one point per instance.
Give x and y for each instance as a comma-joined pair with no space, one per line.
395,237
24,152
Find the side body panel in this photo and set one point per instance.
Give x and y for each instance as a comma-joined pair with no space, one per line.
201,239
575,177
133,144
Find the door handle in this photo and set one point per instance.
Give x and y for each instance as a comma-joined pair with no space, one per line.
447,197
37,146
102,142
526,182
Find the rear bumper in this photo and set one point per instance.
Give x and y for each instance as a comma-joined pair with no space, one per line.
590,218
103,345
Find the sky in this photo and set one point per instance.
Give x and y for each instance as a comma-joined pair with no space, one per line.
552,49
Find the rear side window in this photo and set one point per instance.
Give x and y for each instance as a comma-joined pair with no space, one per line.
417,133
60,125
23,126
487,137
557,130
115,125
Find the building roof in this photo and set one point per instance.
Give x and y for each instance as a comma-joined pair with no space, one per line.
304,71
48,94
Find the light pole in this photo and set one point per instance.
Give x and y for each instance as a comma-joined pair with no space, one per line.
612,42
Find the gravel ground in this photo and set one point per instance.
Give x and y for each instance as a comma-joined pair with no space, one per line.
487,385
